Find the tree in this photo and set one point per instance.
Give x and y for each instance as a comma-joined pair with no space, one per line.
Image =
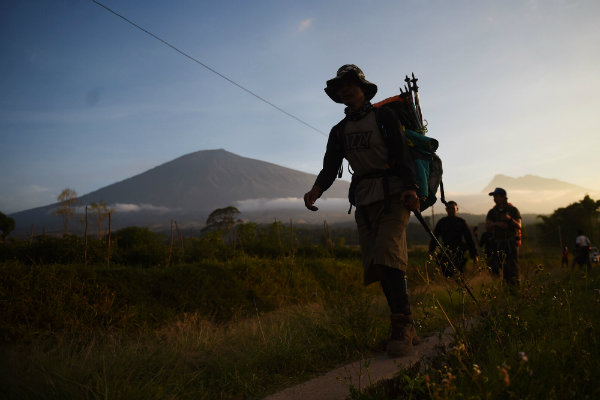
101,210
222,219
66,208
7,225
566,221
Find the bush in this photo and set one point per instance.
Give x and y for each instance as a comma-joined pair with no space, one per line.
140,246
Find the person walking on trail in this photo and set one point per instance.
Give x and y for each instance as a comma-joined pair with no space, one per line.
383,189
582,250
565,257
504,223
455,235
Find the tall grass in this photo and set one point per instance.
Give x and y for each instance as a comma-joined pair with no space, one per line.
236,329
540,342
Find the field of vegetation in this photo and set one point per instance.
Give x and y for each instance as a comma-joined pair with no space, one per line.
240,314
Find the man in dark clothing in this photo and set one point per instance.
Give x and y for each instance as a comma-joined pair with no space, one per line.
454,234
504,223
383,190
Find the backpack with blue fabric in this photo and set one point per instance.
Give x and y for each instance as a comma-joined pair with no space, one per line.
428,166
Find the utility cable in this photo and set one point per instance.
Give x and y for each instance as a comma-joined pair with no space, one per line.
207,67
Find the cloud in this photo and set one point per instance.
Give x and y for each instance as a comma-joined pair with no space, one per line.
286,203
128,207
304,24
37,189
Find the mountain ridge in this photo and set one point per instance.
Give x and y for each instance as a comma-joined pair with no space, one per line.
191,186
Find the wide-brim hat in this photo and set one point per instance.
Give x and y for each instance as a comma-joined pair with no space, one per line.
349,71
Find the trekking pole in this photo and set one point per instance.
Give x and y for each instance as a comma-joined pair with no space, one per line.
460,279
417,101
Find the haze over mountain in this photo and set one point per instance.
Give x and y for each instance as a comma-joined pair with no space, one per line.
529,193
188,188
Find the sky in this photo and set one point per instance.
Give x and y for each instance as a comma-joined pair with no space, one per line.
86,99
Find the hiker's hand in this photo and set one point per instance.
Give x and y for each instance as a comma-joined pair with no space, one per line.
311,196
410,200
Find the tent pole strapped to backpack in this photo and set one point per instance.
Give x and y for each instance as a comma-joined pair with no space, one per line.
428,166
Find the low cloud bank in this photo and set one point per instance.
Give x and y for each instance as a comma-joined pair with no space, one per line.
127,208
285,203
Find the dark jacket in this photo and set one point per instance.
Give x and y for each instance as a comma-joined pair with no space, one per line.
498,214
454,232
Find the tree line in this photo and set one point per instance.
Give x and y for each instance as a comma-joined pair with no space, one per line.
225,235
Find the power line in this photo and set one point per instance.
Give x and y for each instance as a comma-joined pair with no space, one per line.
208,68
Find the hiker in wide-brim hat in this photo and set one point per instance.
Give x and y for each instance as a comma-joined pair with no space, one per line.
383,190
349,72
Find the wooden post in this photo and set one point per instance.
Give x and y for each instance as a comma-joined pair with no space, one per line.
171,246
560,239
278,236
85,237
432,217
180,240
328,240
291,238
108,244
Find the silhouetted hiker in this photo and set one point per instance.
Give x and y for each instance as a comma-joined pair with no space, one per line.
454,233
582,249
565,257
504,223
383,190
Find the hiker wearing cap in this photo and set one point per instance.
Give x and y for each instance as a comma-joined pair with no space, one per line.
455,235
582,250
504,222
383,189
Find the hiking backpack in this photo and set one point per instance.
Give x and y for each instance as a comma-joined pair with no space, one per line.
428,166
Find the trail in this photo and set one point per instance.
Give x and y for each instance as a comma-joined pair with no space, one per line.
335,384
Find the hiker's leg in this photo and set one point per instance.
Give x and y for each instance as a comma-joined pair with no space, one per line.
403,333
495,263
394,287
511,265
382,237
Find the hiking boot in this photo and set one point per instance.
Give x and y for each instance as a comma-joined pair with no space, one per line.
404,335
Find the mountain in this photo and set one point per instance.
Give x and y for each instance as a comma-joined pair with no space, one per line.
188,188
530,194
529,183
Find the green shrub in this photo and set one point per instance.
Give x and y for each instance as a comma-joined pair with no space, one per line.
140,246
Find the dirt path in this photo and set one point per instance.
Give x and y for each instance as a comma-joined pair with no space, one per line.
335,385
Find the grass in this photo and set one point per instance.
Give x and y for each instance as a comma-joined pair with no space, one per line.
541,342
230,330
237,329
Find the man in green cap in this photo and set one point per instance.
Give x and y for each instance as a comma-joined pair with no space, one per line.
383,189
